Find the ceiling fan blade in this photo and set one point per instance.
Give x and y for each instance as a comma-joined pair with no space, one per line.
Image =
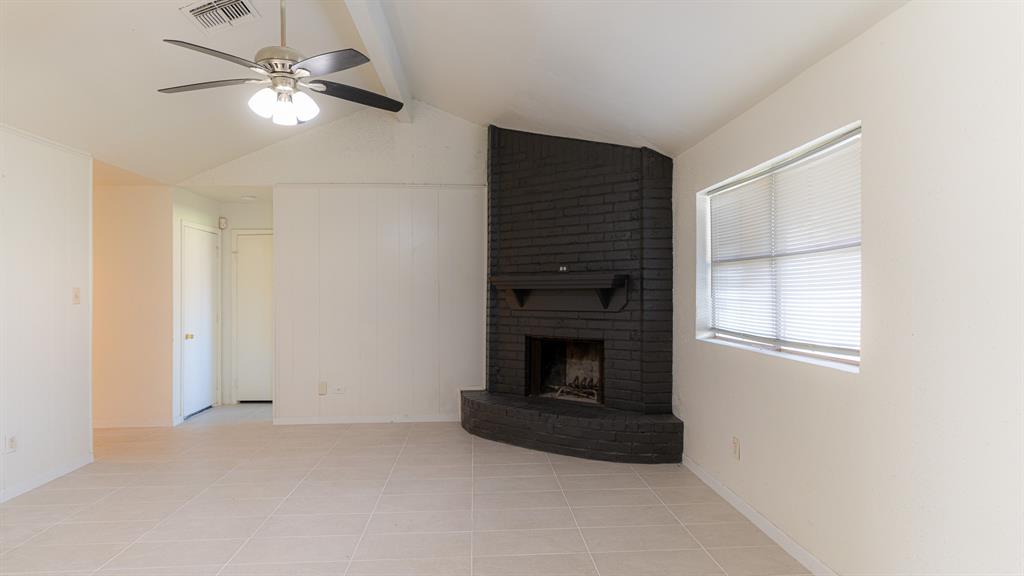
357,95
329,62
218,54
213,84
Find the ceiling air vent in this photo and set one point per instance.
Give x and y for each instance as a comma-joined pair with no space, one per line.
215,15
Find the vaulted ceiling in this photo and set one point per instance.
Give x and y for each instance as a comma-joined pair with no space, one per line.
661,74
86,74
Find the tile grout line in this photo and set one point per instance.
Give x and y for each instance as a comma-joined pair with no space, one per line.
283,500
60,522
117,490
681,523
420,532
199,437
160,521
376,504
572,514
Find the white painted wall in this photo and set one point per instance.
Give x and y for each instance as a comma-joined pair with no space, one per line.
45,253
379,293
196,209
132,345
369,146
441,151
248,216
916,464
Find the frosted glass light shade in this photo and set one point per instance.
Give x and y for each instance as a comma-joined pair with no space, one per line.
286,108
284,111
305,108
262,102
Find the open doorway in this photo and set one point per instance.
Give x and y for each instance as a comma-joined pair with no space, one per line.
252,332
164,326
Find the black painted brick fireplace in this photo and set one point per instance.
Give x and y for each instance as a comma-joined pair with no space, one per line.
580,250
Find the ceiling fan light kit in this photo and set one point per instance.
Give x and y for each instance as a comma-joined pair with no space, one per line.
284,72
285,108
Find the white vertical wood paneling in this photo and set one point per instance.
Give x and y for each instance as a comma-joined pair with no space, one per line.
364,389
462,292
339,288
45,373
296,274
423,319
72,391
380,300
385,397
405,349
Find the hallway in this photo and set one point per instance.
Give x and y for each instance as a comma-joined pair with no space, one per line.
228,493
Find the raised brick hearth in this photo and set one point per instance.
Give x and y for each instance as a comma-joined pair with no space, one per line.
573,429
580,251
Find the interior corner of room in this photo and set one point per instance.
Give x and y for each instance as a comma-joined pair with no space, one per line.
472,288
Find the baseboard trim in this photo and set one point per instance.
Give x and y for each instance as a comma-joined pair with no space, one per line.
106,425
798,552
370,420
38,481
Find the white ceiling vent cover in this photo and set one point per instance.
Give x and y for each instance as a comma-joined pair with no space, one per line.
216,15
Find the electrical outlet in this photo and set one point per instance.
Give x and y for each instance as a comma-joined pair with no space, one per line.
735,447
76,295
338,388
323,387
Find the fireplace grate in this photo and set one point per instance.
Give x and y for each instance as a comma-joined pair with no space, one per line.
566,369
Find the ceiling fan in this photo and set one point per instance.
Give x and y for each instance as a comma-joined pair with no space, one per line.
286,77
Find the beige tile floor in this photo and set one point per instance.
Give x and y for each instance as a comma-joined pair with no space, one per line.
227,493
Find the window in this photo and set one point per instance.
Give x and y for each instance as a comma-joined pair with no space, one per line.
782,256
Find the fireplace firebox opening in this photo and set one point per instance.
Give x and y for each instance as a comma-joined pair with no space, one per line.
566,369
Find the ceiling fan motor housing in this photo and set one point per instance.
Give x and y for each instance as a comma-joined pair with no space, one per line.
278,58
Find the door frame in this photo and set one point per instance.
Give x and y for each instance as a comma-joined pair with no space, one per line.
233,388
180,336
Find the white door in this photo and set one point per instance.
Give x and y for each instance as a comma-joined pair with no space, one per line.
253,314
199,268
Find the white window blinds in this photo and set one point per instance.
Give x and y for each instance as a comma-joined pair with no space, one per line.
785,254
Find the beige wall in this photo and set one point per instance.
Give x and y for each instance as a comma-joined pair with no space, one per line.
132,283
915,464
137,231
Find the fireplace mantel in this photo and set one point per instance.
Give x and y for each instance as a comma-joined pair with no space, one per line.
580,291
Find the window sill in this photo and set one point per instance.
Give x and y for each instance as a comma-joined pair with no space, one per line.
841,366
